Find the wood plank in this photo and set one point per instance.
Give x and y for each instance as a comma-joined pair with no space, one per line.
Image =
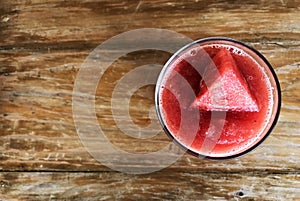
157,186
37,129
82,24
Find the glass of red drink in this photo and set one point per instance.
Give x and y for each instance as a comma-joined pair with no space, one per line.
218,98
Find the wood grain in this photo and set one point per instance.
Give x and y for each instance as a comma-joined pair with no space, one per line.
44,43
157,186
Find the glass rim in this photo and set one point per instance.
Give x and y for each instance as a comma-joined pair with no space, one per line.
275,111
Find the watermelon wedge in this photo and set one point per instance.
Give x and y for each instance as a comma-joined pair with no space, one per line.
224,88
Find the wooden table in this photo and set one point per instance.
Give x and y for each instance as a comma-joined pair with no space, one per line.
42,47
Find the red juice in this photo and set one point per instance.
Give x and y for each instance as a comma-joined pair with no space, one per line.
218,99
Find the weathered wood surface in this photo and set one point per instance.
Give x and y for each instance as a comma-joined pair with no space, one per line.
44,43
165,185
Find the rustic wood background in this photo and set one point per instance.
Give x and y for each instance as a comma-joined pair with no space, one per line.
42,46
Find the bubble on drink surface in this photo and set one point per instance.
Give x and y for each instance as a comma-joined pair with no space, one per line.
232,49
193,52
237,51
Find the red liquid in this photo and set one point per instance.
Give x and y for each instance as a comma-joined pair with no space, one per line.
241,129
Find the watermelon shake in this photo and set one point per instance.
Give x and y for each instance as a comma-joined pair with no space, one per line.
218,98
